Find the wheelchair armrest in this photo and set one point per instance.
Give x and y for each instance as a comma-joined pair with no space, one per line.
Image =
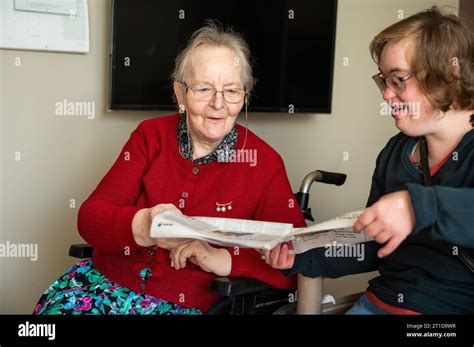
234,286
242,295
81,251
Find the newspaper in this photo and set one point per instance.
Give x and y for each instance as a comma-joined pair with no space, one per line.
257,234
335,231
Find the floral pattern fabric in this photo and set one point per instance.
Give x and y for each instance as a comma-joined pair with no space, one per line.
84,290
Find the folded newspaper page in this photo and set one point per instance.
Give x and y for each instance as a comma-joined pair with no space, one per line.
335,231
256,234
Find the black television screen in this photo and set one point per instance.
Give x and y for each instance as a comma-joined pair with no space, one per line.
292,42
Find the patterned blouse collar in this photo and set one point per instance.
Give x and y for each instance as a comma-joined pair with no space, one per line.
224,150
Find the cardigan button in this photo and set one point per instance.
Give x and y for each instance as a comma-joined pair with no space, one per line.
184,195
142,286
195,170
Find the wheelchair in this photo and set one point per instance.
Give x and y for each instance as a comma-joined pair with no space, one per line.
242,296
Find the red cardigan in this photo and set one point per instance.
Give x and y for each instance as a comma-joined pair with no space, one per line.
150,171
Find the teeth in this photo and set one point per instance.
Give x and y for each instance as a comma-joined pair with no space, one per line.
400,108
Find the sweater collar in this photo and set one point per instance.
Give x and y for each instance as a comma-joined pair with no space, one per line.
464,145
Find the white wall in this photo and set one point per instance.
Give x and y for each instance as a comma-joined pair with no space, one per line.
64,158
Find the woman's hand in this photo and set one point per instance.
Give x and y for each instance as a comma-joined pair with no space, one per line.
141,225
279,257
390,220
208,258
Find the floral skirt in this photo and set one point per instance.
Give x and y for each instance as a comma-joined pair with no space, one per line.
84,290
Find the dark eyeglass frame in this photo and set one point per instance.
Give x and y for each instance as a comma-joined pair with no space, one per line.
218,91
381,82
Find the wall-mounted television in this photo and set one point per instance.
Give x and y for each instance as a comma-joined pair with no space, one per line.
292,42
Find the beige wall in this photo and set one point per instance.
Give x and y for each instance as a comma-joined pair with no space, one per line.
64,158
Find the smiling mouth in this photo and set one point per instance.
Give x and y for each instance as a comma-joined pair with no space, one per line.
400,110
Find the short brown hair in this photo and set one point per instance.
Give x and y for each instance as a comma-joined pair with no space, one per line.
441,43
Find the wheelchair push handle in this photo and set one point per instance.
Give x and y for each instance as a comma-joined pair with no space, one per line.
327,177
335,178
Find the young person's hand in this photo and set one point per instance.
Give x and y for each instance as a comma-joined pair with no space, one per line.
200,253
389,221
279,257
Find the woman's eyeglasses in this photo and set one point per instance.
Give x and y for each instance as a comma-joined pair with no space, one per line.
207,93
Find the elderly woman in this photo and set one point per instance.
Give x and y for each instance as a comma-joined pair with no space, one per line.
421,204
179,162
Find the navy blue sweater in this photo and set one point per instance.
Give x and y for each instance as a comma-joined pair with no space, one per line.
424,273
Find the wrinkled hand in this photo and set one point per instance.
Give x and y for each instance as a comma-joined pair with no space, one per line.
389,221
200,253
279,257
141,225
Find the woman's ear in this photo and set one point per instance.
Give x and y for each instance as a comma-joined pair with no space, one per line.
180,94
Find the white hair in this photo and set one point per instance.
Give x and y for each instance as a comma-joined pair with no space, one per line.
213,34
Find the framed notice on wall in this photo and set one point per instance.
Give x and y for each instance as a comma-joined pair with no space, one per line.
46,25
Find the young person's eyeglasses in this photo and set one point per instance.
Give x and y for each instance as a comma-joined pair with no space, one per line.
395,83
